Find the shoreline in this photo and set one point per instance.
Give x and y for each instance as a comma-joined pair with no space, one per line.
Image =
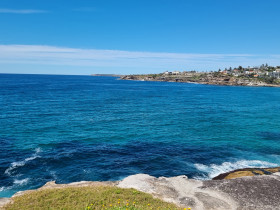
237,173
237,82
219,193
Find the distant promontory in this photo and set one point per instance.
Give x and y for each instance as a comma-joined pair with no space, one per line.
263,75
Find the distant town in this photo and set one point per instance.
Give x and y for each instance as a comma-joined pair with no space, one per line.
263,75
260,71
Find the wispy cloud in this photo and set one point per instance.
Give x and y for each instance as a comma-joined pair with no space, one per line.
147,61
21,11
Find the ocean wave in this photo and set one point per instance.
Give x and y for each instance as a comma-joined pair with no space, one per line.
214,170
16,183
17,164
5,188
2,189
21,182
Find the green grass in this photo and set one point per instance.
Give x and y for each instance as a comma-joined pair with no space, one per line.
101,197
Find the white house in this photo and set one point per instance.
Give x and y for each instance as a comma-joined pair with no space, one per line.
175,72
167,72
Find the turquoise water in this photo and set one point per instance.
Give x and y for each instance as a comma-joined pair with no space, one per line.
73,128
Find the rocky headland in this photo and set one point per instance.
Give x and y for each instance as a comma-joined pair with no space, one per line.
242,189
216,78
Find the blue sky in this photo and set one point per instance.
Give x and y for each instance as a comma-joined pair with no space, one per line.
133,36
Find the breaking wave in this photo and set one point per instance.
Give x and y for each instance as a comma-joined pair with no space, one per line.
15,165
214,170
16,183
21,182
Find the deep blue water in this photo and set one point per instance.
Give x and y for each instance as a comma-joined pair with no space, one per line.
73,128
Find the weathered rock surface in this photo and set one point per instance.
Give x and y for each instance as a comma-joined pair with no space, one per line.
247,172
245,193
181,190
257,192
4,201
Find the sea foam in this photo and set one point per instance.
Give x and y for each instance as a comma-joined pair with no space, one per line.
214,170
16,183
21,182
17,164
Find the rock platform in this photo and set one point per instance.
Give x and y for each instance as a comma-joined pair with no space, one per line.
243,193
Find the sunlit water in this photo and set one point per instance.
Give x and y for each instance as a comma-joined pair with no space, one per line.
73,128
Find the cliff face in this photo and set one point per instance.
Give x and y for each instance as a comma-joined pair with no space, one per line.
251,192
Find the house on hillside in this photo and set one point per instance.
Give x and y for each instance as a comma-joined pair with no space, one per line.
167,73
274,74
236,72
175,72
277,69
225,72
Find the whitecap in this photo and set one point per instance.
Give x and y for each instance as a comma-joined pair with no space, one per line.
16,183
38,150
21,182
214,170
5,188
14,165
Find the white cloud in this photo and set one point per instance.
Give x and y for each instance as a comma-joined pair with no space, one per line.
117,59
21,11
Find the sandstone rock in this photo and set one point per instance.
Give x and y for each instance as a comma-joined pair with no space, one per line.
181,191
257,192
4,201
245,193
247,172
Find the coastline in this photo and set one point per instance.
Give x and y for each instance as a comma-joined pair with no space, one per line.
219,81
267,133
243,192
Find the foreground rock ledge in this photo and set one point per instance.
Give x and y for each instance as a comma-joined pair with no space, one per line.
255,192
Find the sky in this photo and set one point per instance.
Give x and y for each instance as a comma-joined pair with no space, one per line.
136,36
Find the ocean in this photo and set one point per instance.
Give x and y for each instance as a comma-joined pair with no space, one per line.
74,128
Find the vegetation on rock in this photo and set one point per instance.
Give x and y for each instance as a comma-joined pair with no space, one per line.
101,197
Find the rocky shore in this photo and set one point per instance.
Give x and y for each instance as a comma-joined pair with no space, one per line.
203,78
242,189
247,172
